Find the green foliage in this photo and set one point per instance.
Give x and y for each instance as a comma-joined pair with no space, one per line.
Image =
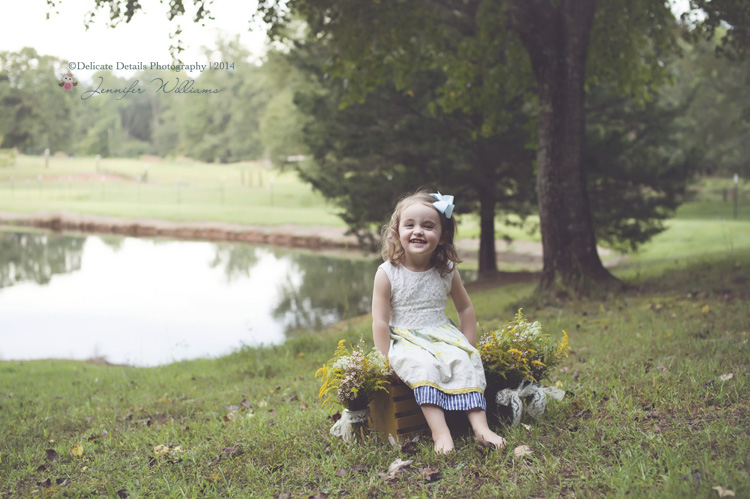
518,351
730,18
367,154
351,377
717,121
35,113
639,164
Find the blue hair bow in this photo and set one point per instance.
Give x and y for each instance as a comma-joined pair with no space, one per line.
444,204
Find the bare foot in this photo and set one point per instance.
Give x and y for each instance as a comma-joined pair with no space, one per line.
443,444
492,438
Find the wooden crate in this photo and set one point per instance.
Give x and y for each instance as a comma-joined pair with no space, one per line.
395,412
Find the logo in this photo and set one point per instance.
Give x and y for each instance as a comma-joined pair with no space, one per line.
67,82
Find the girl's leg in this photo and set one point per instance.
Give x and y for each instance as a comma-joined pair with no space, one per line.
441,434
478,419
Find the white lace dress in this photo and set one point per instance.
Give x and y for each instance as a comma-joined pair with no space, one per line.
428,352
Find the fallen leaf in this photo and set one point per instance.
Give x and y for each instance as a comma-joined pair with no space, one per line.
76,450
62,482
576,374
723,492
162,449
696,476
521,451
726,377
42,468
430,474
397,466
122,493
246,404
232,407
319,495
45,483
409,447
705,309
262,403
392,441
52,455
663,369
359,468
230,417
341,472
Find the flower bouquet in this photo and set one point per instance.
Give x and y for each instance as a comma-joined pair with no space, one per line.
516,358
349,380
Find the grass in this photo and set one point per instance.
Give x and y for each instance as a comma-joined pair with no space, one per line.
178,190
181,190
650,411
647,415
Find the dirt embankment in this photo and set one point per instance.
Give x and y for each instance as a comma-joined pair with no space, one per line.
314,237
524,255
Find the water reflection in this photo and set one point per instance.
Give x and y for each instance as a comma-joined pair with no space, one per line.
148,302
319,291
37,257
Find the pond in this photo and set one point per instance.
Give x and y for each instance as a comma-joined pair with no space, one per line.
148,302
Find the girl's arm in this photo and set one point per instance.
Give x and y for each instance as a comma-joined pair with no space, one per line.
381,312
467,319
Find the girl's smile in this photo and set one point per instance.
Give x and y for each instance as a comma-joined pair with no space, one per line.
420,233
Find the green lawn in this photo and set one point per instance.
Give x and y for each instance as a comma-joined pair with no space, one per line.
658,395
658,406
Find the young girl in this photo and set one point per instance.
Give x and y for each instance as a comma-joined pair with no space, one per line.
409,325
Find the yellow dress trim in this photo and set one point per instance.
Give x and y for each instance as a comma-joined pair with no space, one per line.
453,391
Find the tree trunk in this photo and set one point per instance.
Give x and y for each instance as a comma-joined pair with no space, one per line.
556,39
487,254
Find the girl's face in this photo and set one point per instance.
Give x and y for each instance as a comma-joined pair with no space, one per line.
419,230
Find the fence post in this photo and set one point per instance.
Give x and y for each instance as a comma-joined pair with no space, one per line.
736,193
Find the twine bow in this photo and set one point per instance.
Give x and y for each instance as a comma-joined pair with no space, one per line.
343,427
535,407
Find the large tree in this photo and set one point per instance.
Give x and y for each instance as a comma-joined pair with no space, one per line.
367,154
568,43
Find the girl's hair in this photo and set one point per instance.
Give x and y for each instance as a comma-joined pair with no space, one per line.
444,254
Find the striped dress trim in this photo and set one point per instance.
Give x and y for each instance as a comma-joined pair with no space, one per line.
449,391
457,402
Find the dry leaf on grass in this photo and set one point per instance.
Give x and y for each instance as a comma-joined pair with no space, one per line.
723,492
409,447
160,450
430,474
521,451
395,468
726,377
76,450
